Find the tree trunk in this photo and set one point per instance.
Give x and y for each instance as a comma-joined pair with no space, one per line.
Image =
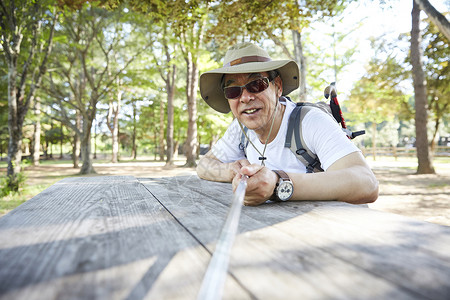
175,149
425,165
95,138
86,151
161,132
134,147
37,133
433,138
1,150
115,143
14,128
191,84
436,17
115,158
45,148
87,167
76,151
170,87
14,155
113,122
61,142
300,58
114,109
77,142
374,140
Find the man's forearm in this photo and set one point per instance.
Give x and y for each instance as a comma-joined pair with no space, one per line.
354,185
212,169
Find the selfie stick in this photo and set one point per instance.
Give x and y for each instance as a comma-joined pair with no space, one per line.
214,280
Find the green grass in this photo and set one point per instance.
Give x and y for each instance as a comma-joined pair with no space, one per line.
438,185
11,201
3,164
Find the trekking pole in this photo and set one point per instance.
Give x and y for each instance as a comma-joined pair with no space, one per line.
334,104
214,280
337,112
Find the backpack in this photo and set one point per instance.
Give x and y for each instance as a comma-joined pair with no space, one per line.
294,136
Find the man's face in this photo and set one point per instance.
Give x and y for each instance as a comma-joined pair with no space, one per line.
254,110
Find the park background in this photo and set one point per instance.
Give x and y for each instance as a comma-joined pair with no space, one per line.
111,87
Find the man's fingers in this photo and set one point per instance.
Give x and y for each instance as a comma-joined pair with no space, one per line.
244,162
235,181
251,170
252,201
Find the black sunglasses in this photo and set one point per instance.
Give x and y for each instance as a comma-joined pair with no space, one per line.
256,86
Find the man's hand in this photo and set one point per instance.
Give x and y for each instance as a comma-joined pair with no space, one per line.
260,185
211,168
237,166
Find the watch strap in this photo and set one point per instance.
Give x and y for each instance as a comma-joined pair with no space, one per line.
282,175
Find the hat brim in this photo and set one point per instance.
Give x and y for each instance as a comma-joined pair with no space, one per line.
210,81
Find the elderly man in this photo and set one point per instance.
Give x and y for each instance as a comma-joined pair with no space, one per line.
253,86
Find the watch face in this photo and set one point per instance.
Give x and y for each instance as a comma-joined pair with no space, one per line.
285,190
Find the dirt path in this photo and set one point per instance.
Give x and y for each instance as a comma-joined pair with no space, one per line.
36,175
423,197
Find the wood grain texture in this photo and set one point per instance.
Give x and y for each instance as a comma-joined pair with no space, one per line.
98,238
316,250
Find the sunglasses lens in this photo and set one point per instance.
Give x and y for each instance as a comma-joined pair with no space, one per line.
232,92
257,86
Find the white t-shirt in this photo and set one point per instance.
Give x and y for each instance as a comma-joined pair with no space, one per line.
322,135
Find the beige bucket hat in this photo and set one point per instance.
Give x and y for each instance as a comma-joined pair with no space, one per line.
245,58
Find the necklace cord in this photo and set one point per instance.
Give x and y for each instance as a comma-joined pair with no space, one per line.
262,158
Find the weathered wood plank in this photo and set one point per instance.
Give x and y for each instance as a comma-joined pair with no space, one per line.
98,238
316,249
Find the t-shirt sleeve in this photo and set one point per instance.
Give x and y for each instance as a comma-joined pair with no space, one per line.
227,148
325,137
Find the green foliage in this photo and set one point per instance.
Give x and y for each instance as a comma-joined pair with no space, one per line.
13,199
378,96
148,124
92,50
437,67
257,20
12,184
54,135
326,62
213,126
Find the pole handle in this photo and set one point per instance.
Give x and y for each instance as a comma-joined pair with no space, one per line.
330,90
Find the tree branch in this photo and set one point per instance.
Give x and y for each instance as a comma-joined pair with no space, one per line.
43,64
277,42
29,61
436,17
114,77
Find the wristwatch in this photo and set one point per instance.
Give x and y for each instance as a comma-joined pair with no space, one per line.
284,187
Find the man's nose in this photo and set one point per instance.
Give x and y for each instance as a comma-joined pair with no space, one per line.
246,96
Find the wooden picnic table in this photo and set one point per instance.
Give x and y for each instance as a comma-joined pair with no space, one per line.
121,237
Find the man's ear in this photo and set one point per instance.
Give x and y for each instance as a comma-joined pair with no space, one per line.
279,86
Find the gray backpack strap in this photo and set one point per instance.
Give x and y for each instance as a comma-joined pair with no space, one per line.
291,122
244,142
295,142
